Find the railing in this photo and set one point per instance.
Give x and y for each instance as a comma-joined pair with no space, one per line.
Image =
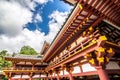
23,68
79,46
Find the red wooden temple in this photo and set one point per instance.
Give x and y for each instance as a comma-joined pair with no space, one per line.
86,48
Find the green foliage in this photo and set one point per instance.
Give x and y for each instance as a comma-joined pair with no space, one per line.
27,50
3,62
3,52
5,78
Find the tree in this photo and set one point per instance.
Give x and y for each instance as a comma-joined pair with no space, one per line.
27,50
5,78
3,53
3,62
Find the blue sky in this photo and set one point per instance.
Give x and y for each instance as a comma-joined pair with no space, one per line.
44,11
30,22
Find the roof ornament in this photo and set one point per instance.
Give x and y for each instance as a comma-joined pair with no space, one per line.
80,6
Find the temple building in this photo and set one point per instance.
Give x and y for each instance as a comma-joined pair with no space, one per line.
86,48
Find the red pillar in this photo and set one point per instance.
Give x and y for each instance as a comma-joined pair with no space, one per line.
47,78
9,76
30,78
14,65
102,74
81,68
51,77
69,69
32,66
58,78
31,75
70,76
9,79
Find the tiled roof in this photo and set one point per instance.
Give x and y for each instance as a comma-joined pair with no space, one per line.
20,56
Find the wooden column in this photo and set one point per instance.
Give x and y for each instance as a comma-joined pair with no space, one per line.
57,72
69,69
70,76
30,78
31,75
32,67
80,65
21,77
51,77
47,78
63,66
10,76
9,79
14,65
102,74
33,64
58,78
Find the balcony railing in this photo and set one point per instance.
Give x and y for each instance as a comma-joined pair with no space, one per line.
79,46
23,68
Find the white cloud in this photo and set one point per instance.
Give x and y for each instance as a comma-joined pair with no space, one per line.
34,39
38,18
30,4
57,19
42,1
14,16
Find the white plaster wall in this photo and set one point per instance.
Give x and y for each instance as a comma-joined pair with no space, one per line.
65,72
76,69
87,67
61,73
35,76
25,76
16,76
43,75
